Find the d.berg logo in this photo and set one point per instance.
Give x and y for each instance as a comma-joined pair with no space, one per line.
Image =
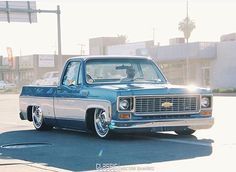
114,167
105,166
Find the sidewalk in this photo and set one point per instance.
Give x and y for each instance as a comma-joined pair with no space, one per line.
10,165
225,94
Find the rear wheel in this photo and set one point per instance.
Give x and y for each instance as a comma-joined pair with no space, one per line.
100,124
38,121
185,132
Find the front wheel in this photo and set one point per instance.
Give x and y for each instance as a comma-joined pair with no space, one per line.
100,124
185,132
38,121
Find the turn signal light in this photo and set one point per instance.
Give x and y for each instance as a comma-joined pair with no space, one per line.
124,116
206,113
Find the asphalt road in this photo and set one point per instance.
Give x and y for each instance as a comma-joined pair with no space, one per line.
62,150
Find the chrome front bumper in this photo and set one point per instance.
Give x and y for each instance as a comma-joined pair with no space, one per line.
192,123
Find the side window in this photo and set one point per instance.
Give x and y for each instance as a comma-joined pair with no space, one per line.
71,75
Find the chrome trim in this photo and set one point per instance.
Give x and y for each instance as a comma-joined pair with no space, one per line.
134,97
169,113
159,114
194,123
38,97
68,98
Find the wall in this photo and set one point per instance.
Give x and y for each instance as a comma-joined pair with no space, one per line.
194,50
224,67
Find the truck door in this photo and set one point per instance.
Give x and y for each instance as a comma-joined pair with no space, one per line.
68,112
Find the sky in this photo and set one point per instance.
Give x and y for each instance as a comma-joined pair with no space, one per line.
84,19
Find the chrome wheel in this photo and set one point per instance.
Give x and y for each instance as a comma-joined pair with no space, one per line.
37,116
100,123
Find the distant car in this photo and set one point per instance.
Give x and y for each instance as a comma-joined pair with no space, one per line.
2,85
5,85
10,86
49,78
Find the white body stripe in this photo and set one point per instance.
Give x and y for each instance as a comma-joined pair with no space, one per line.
67,108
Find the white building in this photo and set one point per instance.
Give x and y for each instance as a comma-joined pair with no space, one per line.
224,66
211,64
173,60
129,48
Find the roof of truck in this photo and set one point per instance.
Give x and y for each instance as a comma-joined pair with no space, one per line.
110,56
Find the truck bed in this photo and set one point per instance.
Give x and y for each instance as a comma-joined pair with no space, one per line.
37,95
38,91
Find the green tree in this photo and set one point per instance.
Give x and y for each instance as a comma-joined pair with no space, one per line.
123,37
186,26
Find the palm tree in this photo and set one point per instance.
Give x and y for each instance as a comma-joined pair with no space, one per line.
186,26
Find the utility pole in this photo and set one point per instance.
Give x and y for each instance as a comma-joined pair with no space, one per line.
18,70
81,49
153,35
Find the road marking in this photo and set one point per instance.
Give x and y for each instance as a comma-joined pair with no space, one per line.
190,142
187,142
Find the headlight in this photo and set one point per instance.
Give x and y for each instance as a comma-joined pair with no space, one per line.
206,101
125,104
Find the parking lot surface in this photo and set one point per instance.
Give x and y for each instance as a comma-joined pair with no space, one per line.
25,149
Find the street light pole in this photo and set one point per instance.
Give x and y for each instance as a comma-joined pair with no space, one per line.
59,38
8,10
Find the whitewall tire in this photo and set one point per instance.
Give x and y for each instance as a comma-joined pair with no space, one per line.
37,118
100,125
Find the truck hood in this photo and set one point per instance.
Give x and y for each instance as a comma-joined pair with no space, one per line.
152,89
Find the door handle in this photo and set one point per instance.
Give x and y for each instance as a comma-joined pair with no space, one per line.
84,93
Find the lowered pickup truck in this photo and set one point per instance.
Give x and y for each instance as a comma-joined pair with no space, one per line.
108,94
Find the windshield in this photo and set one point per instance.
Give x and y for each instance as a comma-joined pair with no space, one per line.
122,71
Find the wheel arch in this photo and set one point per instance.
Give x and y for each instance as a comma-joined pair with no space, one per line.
89,115
89,118
29,113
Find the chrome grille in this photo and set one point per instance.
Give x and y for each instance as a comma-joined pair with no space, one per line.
180,104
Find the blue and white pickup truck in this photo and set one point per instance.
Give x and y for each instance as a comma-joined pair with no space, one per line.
108,94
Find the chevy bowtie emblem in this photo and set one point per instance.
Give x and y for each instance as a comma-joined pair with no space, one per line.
167,104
